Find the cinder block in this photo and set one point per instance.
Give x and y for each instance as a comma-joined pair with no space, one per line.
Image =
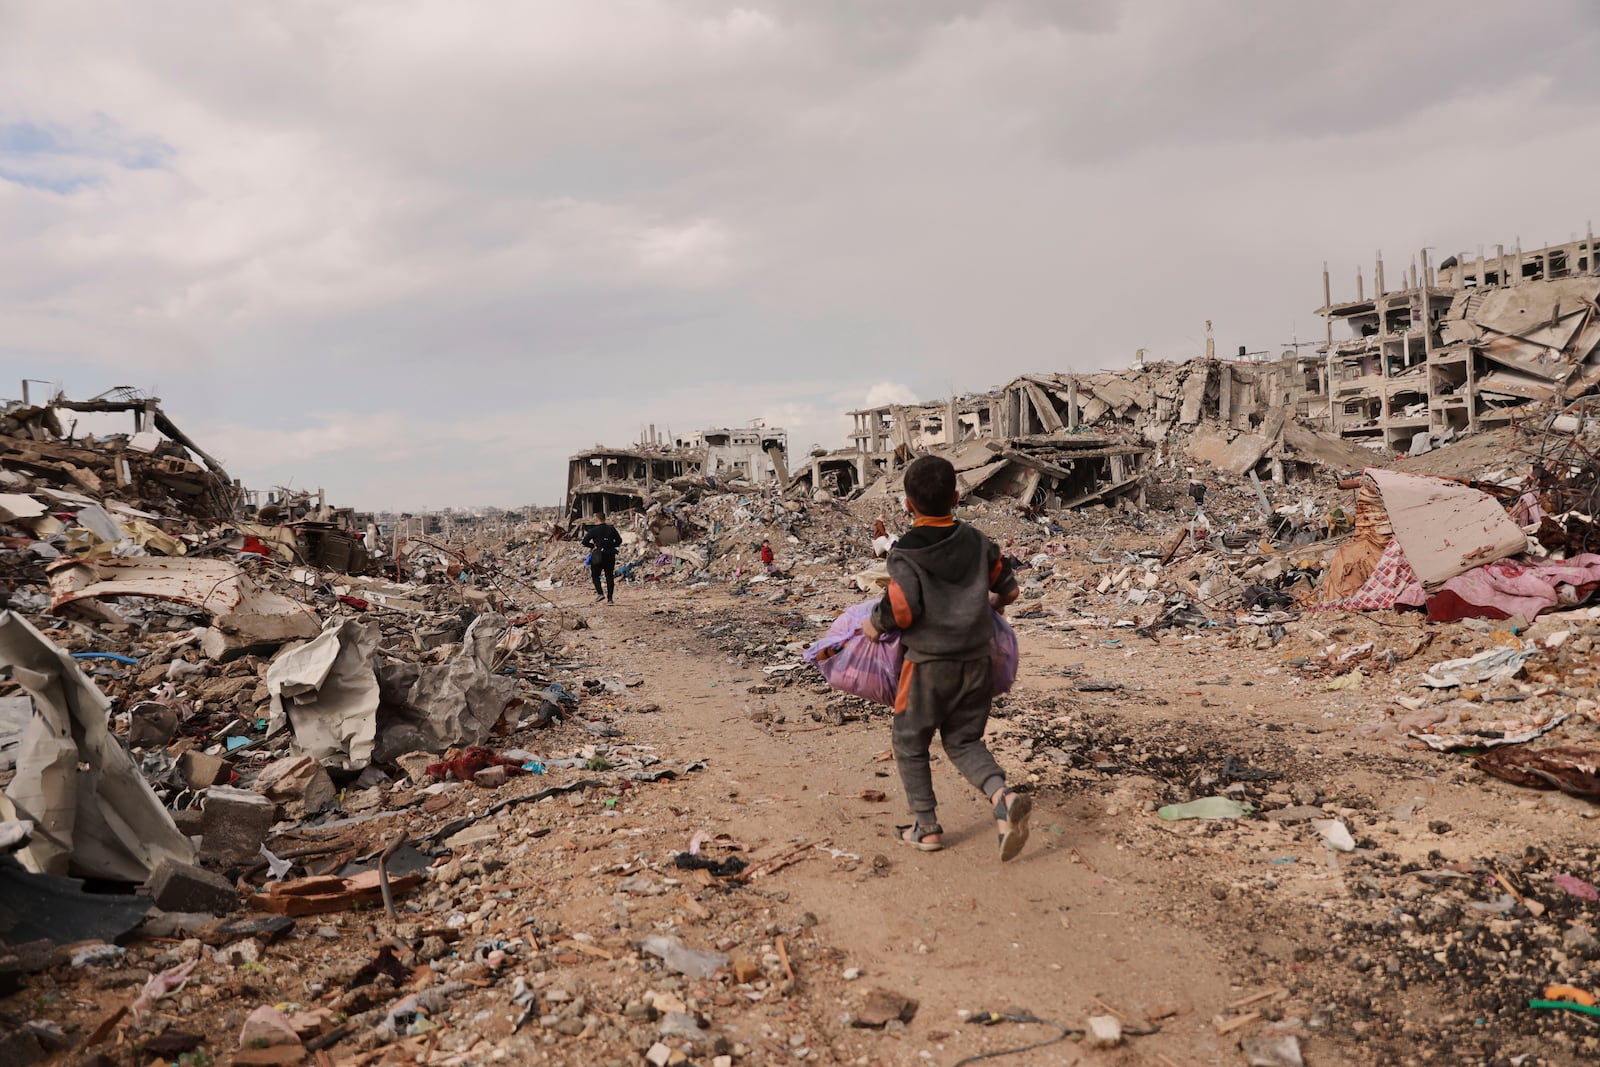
184,887
236,823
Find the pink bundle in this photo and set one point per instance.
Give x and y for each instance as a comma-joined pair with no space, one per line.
871,669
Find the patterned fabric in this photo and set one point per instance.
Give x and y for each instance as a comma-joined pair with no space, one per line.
1392,583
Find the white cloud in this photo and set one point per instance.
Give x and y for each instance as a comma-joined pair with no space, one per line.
488,232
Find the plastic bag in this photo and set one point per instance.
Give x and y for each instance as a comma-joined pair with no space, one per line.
854,664
1003,654
871,669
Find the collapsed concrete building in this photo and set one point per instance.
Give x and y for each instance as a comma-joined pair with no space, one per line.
151,476
1466,345
1068,440
604,479
156,462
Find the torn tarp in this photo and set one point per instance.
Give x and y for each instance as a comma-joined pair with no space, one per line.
36,907
1444,527
94,814
429,707
326,691
15,714
242,613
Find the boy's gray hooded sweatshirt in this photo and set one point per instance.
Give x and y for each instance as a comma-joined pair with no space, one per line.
938,596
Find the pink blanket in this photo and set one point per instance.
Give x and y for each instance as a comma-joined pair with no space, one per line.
1496,590
1510,587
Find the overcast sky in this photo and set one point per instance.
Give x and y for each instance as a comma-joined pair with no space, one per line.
419,252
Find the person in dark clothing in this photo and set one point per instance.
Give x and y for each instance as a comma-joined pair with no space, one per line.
944,576
603,540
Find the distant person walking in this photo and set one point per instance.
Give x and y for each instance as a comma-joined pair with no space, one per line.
603,540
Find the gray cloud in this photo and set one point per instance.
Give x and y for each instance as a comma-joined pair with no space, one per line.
419,252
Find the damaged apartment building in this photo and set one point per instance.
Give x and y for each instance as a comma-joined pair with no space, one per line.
604,479
1057,441
1467,345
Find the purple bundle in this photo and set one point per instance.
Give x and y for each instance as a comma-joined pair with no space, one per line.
871,669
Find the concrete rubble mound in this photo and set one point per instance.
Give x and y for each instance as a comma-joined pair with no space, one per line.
382,793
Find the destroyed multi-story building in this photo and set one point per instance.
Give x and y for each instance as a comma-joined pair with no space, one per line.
155,462
1067,440
1462,346
607,480
151,474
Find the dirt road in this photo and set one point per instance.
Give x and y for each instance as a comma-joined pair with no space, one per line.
535,938
1201,931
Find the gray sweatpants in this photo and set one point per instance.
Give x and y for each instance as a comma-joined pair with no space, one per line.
952,699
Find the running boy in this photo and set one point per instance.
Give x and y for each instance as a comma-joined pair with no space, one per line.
944,575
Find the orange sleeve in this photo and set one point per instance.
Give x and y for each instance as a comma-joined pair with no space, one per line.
902,607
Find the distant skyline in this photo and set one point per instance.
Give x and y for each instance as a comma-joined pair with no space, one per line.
418,253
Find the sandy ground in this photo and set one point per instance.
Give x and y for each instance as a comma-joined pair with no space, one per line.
1171,926
1195,934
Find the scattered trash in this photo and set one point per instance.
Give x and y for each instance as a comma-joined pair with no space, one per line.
1334,834
1206,808
692,963
1573,770
1576,887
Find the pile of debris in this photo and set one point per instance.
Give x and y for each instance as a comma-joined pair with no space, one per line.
196,717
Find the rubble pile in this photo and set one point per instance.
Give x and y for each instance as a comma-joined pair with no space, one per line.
155,469
264,803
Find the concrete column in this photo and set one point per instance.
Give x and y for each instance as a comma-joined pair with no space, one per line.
1427,322
1378,290
1333,406
1472,393
1072,404
1327,302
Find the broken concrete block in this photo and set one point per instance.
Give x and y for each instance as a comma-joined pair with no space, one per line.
296,780
151,724
491,777
883,1007
267,1026
191,822
21,1048
236,823
202,771
178,886
1104,1031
